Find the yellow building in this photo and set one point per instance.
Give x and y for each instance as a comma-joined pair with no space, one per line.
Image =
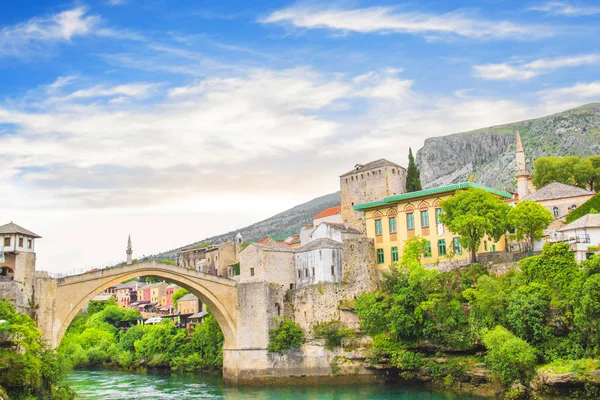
393,220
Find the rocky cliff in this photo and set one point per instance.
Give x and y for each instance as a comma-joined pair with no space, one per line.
487,154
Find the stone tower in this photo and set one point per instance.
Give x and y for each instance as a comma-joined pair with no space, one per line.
367,183
239,239
17,265
129,251
522,174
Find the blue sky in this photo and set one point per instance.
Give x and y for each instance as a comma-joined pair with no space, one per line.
173,121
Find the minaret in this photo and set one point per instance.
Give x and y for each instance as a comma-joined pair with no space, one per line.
129,251
522,174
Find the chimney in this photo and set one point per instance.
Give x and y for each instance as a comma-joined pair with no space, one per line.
346,224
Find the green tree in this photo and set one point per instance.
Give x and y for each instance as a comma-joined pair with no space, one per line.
571,170
529,220
509,357
285,336
178,295
413,250
413,177
473,214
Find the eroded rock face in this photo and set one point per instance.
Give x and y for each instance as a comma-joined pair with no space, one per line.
488,153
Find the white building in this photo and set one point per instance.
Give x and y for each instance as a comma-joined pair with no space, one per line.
318,261
582,234
337,232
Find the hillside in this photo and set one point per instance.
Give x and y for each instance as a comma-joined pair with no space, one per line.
283,224
488,153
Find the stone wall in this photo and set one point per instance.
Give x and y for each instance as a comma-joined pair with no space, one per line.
367,186
324,302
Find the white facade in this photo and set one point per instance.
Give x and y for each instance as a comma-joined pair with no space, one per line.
17,242
320,261
337,232
583,235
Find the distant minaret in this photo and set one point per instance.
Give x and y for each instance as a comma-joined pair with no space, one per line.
129,251
522,174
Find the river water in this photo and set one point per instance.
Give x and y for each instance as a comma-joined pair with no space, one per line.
112,385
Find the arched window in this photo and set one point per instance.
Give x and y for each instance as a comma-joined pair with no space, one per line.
555,211
7,273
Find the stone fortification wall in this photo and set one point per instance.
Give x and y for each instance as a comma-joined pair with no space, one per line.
324,302
367,186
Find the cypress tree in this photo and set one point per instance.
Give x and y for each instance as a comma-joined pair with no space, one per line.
413,178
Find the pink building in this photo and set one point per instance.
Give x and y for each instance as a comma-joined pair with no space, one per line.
144,293
172,288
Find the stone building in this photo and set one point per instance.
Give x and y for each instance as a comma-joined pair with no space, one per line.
367,183
221,256
189,304
212,259
272,263
17,264
559,198
318,261
337,232
392,220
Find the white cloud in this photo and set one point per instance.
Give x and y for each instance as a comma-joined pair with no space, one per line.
566,9
139,90
387,20
584,91
116,2
62,27
523,71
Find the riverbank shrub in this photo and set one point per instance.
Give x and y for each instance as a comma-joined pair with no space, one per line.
285,336
509,357
550,308
334,332
28,369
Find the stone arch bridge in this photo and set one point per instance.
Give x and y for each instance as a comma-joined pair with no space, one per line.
60,299
244,310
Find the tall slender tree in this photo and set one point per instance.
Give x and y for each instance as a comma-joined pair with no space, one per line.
413,178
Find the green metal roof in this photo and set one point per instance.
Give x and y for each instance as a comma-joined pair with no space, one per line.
427,192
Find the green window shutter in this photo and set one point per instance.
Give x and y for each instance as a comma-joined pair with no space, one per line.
378,229
424,219
442,247
393,225
410,221
394,254
380,259
427,250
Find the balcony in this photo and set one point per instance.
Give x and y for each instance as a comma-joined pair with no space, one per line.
571,239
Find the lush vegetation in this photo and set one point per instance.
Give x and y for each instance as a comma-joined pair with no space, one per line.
413,177
474,214
28,369
592,206
572,170
529,219
286,335
546,313
334,332
94,339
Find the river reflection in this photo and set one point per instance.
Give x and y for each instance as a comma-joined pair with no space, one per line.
122,385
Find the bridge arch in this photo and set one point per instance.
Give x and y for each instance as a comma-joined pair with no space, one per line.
74,292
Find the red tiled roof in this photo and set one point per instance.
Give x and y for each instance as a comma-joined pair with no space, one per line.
265,240
328,212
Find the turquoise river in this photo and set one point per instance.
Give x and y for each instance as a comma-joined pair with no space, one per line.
112,385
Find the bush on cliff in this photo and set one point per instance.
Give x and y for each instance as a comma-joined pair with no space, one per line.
334,332
285,336
509,357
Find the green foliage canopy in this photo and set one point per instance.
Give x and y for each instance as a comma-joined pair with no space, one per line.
474,213
571,170
529,220
285,336
178,295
